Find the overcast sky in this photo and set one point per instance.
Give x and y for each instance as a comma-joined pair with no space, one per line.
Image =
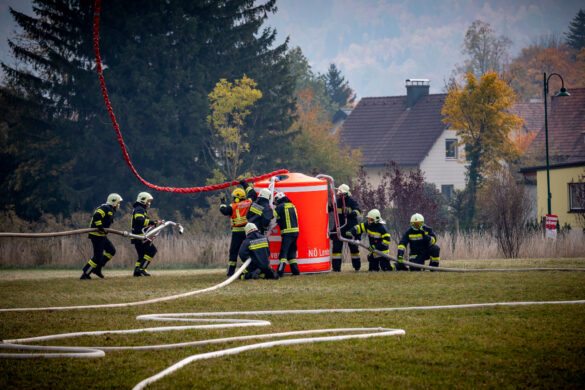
378,44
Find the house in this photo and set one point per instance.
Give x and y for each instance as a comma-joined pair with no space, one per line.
408,131
566,143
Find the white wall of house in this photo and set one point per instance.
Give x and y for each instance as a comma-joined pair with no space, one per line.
442,170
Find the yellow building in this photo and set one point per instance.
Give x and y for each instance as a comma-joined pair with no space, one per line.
566,145
567,182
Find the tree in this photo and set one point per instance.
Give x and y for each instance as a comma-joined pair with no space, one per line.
338,88
230,105
576,34
315,148
478,112
399,195
485,51
505,208
161,60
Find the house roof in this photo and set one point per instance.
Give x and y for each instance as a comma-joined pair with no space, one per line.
532,113
566,130
386,130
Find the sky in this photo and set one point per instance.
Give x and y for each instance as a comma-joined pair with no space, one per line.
378,44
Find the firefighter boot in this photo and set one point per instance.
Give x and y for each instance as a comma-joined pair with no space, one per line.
386,266
98,269
143,268
336,265
231,268
356,263
434,262
375,264
294,268
137,272
86,271
281,266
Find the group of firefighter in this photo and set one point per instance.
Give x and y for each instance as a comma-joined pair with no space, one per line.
252,217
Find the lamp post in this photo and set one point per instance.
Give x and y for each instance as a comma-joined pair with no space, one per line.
563,92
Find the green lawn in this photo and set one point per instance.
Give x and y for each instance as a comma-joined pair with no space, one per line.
537,346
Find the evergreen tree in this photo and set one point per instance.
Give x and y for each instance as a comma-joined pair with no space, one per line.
576,34
338,88
161,60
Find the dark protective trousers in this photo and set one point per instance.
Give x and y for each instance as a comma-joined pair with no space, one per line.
337,251
146,251
419,258
103,250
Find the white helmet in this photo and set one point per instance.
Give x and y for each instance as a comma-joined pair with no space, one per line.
374,214
264,193
279,196
114,199
144,197
250,227
417,221
343,190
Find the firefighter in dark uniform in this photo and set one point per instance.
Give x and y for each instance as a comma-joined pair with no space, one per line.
261,213
103,249
378,237
348,211
288,222
144,248
237,212
255,247
422,242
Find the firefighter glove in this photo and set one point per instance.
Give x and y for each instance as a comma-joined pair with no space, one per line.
348,233
101,230
372,248
222,200
243,183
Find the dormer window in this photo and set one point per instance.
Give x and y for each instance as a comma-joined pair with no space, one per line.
451,149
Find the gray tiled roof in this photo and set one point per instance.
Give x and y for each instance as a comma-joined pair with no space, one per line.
386,130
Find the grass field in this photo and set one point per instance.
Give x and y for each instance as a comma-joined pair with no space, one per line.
535,346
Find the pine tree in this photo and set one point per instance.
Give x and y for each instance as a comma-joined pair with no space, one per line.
576,34
338,88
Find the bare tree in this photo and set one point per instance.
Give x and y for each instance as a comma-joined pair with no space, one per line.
505,208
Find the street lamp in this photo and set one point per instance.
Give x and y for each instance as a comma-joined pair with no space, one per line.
563,92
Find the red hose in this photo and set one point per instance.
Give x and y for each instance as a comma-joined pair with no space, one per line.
96,46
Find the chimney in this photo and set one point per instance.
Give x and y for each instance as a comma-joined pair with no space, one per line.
415,88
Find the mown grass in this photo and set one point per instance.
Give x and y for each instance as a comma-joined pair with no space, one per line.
498,347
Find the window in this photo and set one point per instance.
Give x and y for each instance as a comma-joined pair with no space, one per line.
447,190
577,197
451,149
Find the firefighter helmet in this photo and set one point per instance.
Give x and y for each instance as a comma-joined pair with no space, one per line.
114,199
238,193
144,197
374,215
264,193
249,228
343,190
279,196
417,221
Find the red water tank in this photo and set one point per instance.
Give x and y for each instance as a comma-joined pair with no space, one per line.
309,195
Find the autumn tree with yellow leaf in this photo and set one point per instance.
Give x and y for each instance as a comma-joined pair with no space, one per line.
230,105
478,111
315,148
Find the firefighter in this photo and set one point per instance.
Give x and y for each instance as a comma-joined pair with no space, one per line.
140,221
379,239
422,242
237,211
261,212
103,249
255,246
288,222
348,211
